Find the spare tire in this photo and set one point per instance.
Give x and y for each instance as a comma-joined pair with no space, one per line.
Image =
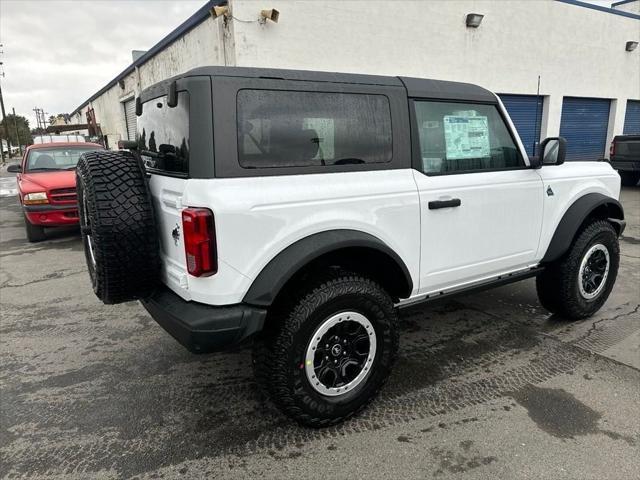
118,226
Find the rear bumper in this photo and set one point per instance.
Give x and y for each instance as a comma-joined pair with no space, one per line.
52,215
203,328
626,166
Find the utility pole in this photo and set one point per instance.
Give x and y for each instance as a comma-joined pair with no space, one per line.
2,104
37,112
15,125
4,117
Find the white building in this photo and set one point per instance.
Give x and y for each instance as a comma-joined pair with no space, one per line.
583,54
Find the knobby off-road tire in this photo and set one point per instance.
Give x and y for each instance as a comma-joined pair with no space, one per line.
35,233
118,226
566,286
281,356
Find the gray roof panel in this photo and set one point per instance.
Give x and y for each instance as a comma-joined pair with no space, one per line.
445,90
302,75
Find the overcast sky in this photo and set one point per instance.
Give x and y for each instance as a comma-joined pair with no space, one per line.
58,53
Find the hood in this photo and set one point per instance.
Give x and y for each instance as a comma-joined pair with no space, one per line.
51,180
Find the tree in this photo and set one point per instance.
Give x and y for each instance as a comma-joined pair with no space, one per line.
8,129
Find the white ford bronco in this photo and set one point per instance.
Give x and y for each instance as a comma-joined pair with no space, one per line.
303,209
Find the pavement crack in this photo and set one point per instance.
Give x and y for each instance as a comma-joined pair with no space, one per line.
51,276
593,329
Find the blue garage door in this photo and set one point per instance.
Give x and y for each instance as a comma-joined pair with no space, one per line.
584,124
526,114
632,118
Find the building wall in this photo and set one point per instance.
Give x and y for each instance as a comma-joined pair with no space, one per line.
631,7
200,46
576,51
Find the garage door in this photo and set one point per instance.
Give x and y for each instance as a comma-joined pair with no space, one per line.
584,124
130,118
632,118
526,114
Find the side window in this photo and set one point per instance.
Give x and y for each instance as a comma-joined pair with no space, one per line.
163,134
459,137
278,128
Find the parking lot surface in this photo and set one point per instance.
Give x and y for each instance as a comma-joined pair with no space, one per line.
487,386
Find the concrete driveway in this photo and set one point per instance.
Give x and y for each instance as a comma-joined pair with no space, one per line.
487,386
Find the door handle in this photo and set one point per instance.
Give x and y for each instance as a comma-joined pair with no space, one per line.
435,204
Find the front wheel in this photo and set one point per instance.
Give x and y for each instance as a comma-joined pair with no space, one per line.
576,286
332,351
35,233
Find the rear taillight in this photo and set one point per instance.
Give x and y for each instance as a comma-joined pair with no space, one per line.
612,149
199,241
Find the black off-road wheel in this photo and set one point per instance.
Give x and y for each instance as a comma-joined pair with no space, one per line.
629,179
577,285
35,233
118,227
325,356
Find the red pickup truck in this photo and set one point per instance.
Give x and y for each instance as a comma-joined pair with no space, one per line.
47,185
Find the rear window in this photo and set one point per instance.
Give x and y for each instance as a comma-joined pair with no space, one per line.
302,129
163,135
55,158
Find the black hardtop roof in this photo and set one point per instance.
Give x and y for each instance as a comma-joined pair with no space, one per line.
416,87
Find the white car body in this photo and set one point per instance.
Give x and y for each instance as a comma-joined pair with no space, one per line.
506,225
303,209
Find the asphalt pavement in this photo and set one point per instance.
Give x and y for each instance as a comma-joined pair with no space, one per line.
487,386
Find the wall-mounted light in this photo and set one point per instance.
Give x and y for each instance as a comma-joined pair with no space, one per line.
271,14
631,46
219,11
474,20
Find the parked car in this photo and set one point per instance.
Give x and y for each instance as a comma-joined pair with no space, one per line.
624,156
47,185
302,209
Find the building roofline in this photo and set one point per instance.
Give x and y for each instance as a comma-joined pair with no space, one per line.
189,24
622,2
600,9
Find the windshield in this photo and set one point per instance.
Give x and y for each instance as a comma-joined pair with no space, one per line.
58,158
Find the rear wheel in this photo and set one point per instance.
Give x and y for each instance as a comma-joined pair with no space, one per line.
629,179
35,233
117,225
332,352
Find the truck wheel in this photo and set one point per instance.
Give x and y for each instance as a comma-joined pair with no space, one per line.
577,285
332,352
629,179
117,225
35,233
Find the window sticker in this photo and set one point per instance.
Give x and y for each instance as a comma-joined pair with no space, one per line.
466,136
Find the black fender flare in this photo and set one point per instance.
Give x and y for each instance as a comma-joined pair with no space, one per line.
289,261
575,216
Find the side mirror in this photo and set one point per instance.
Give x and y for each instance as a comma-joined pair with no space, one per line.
14,168
552,151
127,145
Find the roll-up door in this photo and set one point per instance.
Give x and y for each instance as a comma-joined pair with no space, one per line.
632,118
526,114
584,124
130,118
